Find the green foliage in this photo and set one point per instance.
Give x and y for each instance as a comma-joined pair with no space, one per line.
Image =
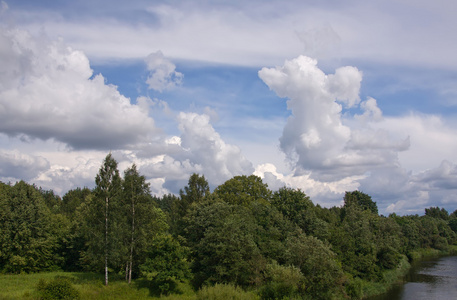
142,220
195,191
271,230
360,200
387,234
282,282
26,227
354,287
72,200
298,208
102,221
224,251
224,292
436,212
52,201
242,190
354,242
318,264
58,288
435,233
291,203
167,204
453,224
197,188
165,264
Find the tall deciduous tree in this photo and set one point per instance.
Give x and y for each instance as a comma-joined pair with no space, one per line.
196,189
144,219
107,195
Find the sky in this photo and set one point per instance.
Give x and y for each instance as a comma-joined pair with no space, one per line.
322,96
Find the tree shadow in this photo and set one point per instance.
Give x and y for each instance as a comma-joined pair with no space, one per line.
158,288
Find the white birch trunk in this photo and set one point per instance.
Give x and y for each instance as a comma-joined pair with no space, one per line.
106,240
132,241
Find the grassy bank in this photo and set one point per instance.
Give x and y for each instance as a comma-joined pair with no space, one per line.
391,277
89,285
427,253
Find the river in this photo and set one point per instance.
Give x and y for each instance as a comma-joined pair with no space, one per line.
428,279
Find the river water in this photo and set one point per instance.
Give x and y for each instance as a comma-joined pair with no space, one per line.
429,279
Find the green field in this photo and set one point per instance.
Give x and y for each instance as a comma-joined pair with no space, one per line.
89,285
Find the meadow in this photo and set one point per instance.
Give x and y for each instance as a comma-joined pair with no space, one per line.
89,286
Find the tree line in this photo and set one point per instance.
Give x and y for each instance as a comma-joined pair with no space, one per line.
277,243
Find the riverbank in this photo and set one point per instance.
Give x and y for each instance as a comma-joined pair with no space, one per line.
392,277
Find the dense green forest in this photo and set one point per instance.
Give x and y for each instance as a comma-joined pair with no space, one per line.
274,243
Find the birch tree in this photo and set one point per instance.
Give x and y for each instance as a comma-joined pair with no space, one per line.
108,191
136,192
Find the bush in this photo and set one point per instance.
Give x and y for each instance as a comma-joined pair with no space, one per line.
165,264
282,282
354,288
224,292
58,288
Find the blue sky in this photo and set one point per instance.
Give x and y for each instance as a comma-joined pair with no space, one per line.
323,96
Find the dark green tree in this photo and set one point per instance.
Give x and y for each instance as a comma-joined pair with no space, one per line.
52,200
453,224
298,208
195,191
143,218
72,200
165,263
322,272
292,203
242,190
354,242
388,242
436,212
28,243
361,200
271,231
197,188
222,242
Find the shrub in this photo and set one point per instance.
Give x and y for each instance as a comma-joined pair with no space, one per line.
282,282
353,288
58,288
166,264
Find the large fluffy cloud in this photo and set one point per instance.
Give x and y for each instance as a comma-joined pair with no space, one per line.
199,149
392,158
47,91
315,136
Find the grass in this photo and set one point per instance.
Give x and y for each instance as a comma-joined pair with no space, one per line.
389,278
90,286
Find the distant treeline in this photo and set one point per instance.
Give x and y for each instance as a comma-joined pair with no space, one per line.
276,243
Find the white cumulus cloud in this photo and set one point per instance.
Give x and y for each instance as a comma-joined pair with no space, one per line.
163,74
316,136
47,91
